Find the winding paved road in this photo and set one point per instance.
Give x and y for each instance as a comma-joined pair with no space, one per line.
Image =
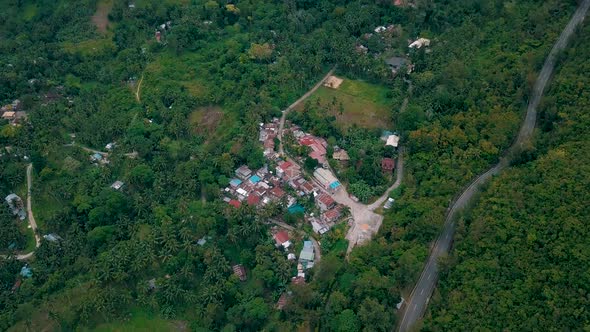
416,305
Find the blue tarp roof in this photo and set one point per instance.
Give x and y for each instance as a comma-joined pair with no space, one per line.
334,185
26,272
235,182
97,156
296,209
255,179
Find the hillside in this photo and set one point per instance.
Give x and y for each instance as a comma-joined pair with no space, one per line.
520,261
158,187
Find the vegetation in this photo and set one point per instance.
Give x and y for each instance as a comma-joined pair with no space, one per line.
520,261
184,113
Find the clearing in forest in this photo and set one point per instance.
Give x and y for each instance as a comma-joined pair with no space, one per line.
204,120
355,102
101,17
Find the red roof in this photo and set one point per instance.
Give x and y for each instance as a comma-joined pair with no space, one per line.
307,141
277,192
253,199
307,187
285,165
235,203
332,214
387,164
326,199
292,173
281,237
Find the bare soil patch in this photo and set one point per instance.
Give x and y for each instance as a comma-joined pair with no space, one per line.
333,82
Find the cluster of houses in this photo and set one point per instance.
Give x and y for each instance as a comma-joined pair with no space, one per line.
390,139
316,145
13,112
395,63
268,133
306,261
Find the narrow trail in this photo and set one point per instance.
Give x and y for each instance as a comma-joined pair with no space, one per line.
398,181
31,217
418,301
137,92
297,102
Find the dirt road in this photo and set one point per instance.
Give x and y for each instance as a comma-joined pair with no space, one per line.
138,91
417,304
365,223
297,102
31,217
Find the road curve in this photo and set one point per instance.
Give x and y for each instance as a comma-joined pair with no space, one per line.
297,102
399,170
418,301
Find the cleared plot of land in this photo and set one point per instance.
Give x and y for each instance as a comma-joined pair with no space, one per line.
363,104
90,47
143,322
182,71
204,120
101,17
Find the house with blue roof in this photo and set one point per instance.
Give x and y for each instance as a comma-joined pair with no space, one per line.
235,182
254,179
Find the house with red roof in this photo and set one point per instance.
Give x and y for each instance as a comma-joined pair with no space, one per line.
282,239
253,199
325,202
277,192
307,187
331,215
387,165
235,203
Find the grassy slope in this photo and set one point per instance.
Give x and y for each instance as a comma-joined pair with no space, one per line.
364,104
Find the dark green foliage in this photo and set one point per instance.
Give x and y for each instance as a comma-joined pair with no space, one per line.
521,259
247,61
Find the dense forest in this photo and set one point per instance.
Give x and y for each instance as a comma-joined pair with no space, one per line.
521,259
181,87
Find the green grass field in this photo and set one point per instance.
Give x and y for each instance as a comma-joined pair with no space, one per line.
364,104
141,321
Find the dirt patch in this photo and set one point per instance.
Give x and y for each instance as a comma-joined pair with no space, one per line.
333,82
204,120
101,18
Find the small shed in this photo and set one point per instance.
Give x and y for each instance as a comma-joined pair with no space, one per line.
387,165
240,271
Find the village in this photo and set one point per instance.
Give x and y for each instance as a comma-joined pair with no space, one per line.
283,181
